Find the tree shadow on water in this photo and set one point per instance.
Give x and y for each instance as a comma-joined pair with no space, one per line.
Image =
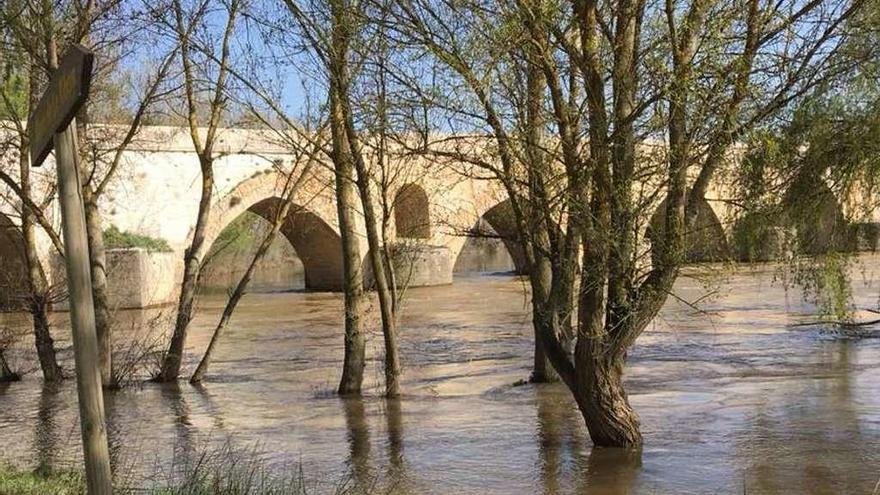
611,471
565,450
358,436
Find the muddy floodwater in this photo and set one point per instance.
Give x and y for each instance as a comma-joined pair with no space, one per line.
738,397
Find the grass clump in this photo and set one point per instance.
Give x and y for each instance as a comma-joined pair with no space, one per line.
118,239
15,482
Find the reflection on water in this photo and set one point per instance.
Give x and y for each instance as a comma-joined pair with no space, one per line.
732,399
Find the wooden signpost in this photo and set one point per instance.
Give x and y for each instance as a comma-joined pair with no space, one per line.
52,123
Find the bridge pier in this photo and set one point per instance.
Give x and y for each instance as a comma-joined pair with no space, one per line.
417,265
137,278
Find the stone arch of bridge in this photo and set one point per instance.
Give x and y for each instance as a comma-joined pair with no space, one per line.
706,241
500,218
412,217
307,228
813,210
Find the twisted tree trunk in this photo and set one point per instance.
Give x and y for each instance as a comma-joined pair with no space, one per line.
603,402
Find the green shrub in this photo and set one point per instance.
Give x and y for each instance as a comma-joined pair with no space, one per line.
117,239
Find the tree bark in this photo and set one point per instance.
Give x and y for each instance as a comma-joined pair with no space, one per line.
100,291
386,301
344,118
542,370
353,280
191,272
37,301
6,374
386,298
231,304
280,216
603,402
39,309
540,271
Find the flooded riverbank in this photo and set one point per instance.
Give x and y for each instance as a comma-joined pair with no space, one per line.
733,398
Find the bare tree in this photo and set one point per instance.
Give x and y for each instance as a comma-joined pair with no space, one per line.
35,34
329,30
641,97
184,23
293,180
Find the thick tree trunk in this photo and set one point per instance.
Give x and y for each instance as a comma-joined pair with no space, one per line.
100,292
43,339
37,303
603,402
540,279
191,271
542,370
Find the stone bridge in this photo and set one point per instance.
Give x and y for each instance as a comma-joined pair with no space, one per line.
157,190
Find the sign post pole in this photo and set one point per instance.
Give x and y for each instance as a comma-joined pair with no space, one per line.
82,316
53,123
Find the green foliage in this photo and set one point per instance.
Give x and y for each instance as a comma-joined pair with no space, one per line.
795,175
825,282
117,239
759,237
14,88
15,482
238,236
213,471
231,471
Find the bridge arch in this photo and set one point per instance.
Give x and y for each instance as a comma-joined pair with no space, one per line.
706,241
315,240
812,209
13,265
499,219
412,218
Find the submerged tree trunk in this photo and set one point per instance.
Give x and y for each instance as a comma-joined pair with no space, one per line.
37,303
280,216
542,321
347,153
542,369
100,293
39,309
231,304
540,271
190,284
603,402
352,274
386,297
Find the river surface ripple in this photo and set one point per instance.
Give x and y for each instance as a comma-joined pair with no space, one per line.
733,398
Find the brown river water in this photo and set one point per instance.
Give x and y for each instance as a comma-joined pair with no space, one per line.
734,398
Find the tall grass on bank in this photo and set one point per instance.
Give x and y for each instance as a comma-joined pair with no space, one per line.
231,471
220,471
